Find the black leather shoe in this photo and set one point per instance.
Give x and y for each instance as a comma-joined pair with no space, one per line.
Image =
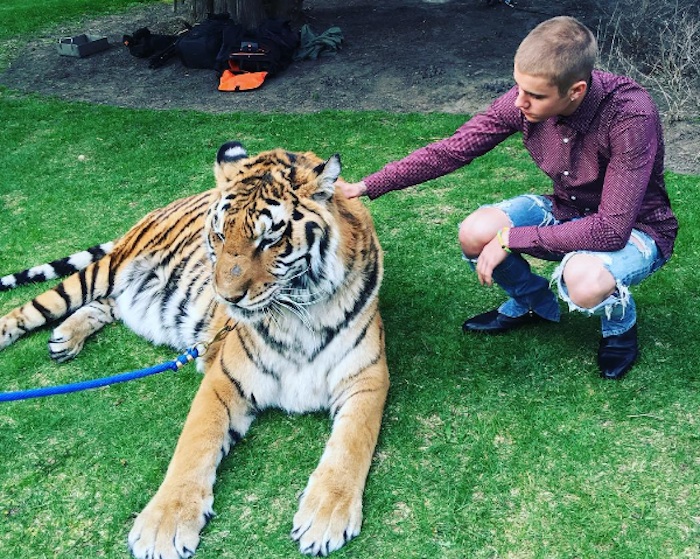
617,354
493,322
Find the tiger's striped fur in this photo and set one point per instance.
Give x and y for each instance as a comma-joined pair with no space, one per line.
293,271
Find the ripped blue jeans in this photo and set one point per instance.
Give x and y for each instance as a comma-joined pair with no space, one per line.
528,291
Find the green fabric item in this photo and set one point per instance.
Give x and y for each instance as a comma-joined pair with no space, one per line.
312,45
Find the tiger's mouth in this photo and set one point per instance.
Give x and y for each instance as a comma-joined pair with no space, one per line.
278,306
244,312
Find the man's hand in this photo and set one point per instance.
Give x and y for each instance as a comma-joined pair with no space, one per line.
491,256
351,190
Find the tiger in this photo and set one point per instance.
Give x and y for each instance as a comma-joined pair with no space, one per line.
281,274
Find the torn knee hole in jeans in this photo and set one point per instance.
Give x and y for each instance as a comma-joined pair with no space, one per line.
619,299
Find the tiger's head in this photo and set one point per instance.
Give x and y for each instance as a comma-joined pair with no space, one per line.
272,234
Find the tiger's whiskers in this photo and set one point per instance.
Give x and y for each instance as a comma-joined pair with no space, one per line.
270,314
296,299
302,297
300,312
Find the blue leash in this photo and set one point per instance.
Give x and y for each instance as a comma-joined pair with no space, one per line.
190,355
175,365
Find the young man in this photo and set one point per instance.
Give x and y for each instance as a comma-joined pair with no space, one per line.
608,221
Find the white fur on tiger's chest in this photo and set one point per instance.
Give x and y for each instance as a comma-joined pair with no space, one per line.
301,381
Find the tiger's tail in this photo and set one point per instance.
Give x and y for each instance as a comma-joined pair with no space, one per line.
94,281
57,269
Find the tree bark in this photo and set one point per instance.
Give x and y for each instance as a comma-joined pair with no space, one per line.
249,13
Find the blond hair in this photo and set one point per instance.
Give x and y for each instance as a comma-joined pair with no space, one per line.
561,49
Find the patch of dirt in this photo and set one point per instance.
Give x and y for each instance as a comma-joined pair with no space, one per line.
399,55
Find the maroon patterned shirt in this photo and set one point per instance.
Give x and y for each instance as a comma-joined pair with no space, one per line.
605,161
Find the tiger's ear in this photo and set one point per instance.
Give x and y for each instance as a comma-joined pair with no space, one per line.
328,173
226,158
230,152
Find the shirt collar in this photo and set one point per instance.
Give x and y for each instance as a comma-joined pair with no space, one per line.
581,119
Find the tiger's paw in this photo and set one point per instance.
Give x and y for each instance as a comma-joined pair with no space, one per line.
67,339
327,518
9,331
168,528
63,346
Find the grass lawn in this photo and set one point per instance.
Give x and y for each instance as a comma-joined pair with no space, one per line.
504,447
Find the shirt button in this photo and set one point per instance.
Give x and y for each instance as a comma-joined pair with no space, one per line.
565,173
566,140
573,197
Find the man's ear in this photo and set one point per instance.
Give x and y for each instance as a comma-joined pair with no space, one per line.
578,90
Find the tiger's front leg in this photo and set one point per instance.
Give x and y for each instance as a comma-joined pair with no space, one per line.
169,526
330,508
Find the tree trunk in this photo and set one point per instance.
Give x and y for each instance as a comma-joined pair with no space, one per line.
249,13
283,9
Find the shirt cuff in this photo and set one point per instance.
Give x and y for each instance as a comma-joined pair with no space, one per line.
375,186
520,239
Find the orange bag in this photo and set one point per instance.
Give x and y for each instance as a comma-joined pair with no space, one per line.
235,79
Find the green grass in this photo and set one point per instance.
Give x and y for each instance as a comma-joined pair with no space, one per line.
505,447
21,17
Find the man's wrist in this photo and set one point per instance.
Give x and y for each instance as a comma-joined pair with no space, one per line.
502,238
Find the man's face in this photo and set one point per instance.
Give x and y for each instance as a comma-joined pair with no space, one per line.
539,100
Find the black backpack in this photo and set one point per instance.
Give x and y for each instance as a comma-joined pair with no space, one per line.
269,48
201,45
